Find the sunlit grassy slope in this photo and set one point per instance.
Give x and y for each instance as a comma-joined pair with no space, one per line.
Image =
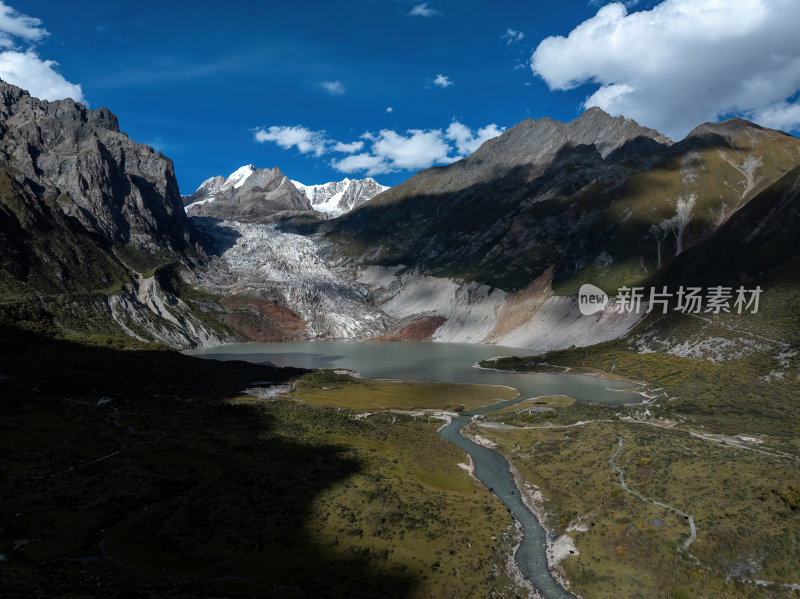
745,507
326,388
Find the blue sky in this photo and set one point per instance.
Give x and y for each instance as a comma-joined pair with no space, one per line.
307,86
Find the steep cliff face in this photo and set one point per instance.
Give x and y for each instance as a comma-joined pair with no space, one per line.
77,158
87,217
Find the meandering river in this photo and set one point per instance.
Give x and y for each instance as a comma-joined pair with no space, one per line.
450,363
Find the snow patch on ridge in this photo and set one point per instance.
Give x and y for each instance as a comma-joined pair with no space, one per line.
200,203
237,178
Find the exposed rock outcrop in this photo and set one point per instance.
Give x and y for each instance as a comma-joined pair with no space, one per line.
124,191
262,320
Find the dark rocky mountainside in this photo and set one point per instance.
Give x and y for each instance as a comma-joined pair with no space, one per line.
599,198
85,168
87,217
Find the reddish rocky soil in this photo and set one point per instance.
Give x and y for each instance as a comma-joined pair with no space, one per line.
419,330
262,320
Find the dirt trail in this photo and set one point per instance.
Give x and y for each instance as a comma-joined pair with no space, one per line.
692,527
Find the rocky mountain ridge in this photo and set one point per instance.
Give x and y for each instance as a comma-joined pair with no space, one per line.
87,217
493,248
541,196
251,195
124,191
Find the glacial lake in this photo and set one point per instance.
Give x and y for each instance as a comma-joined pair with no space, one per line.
421,361
451,363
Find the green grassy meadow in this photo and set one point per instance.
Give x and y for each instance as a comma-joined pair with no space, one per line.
744,504
326,388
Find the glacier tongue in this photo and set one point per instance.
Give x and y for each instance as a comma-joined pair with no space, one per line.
263,261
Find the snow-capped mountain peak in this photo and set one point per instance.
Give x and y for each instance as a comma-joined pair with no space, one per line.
334,198
237,178
339,197
248,194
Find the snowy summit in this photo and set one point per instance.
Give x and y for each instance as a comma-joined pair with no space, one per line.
338,197
255,187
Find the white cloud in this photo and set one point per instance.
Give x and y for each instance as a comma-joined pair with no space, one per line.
37,76
780,115
367,163
26,69
17,25
412,150
389,151
466,141
442,81
389,109
683,62
422,10
511,36
305,140
353,146
334,88
415,149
